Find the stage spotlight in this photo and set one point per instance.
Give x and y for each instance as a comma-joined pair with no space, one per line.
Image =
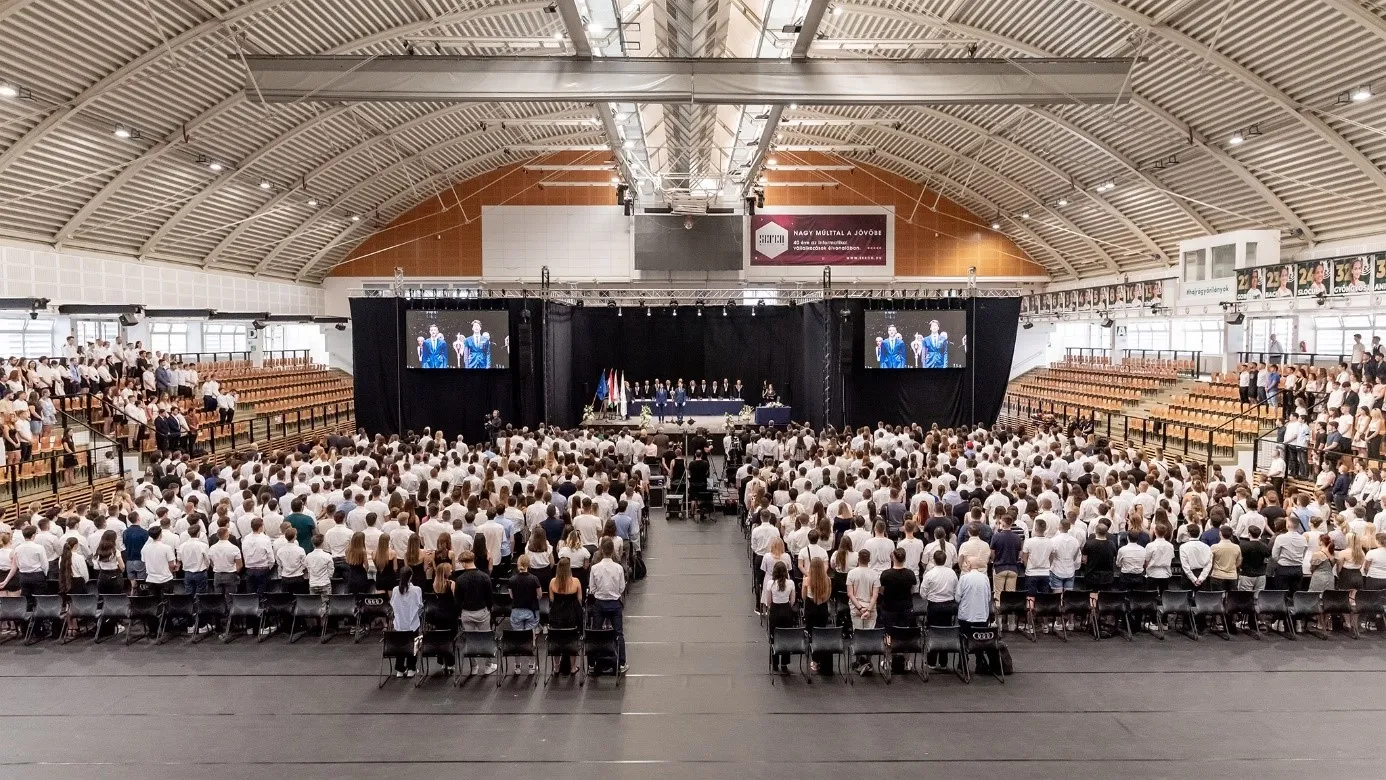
700,310
579,303
1107,321
724,311
675,311
620,312
1234,319
648,312
611,304
1028,325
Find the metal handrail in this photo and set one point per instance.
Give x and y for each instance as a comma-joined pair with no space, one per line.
1147,434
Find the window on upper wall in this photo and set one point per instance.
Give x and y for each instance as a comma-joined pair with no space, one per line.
24,337
1147,335
168,337
223,337
1263,328
1333,334
1085,335
1197,336
88,331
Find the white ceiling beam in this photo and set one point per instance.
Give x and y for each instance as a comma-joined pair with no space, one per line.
1125,162
1021,47
986,202
1020,189
1358,13
1249,79
9,8
341,199
1230,163
63,111
229,174
718,81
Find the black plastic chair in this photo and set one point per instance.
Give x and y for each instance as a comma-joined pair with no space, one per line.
869,643
1211,606
1176,604
340,607
1273,605
1242,603
975,642
211,610
1337,604
791,642
278,610
947,641
516,645
146,611
371,607
1048,606
828,640
49,611
435,645
1307,606
177,608
80,607
500,605
1371,604
476,645
599,647
908,641
245,606
1077,607
561,642
115,609
394,645
306,608
1014,604
1111,604
15,610
1143,607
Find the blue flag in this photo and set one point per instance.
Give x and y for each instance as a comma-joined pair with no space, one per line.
601,387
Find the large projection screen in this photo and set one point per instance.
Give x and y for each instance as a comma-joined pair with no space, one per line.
698,243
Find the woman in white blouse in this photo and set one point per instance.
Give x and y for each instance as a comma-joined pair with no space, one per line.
406,602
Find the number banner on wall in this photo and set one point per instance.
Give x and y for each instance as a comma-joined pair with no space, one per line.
1353,274
818,239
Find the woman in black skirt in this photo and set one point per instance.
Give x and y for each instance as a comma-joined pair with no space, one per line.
780,597
818,592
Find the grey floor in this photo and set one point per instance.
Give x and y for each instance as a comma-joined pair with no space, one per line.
697,703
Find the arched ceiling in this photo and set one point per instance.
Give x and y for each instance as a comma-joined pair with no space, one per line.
301,183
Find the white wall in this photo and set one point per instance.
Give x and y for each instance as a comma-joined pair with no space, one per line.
87,277
1031,348
577,243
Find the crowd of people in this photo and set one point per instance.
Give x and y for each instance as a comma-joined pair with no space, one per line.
545,517
897,523
142,390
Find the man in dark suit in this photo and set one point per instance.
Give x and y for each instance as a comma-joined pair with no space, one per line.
1341,485
166,430
703,391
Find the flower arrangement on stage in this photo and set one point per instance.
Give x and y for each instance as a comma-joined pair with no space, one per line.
772,405
588,412
748,412
645,416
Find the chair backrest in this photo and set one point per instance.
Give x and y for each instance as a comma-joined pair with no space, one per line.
207,603
941,637
83,605
1371,600
1336,602
826,638
1208,601
1272,602
115,606
341,605
398,644
1048,603
243,604
1175,601
180,605
438,642
144,606
13,607
478,644
983,637
868,641
373,605
600,643
46,607
1306,602
1241,601
563,641
515,642
308,605
788,640
1013,601
1077,601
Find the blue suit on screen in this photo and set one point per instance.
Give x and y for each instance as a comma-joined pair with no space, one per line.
434,352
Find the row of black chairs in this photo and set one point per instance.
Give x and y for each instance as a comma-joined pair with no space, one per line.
591,650
1163,610
73,615
957,645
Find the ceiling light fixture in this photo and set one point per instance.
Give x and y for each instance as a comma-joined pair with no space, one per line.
1063,201
793,106
264,184
355,217
837,10
1362,93
628,144
8,90
772,162
1024,215
122,132
558,36
1236,138
214,166
995,225
312,201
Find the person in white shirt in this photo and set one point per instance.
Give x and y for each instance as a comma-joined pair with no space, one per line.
319,565
913,547
879,548
863,589
1159,559
291,559
1065,558
226,563
1196,559
607,585
1036,553
257,554
159,562
193,560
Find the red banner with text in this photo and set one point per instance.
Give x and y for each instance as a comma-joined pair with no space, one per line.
818,239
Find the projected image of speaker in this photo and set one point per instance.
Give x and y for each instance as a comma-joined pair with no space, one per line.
916,339
457,339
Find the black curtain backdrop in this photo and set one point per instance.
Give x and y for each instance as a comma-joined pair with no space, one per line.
392,399
655,343
813,354
948,397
